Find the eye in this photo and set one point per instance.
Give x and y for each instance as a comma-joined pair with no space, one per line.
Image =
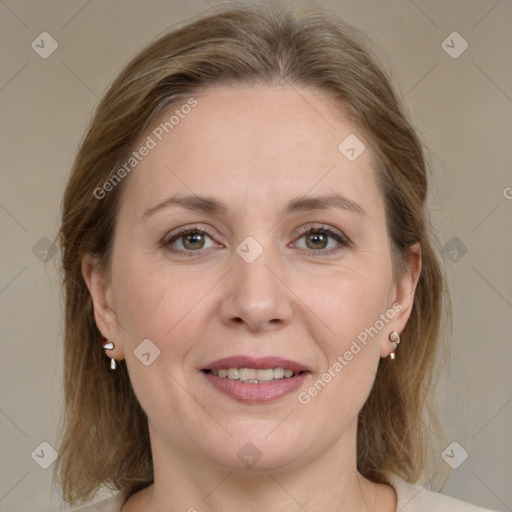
315,240
321,239
188,240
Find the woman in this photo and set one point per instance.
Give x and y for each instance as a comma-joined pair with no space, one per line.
254,304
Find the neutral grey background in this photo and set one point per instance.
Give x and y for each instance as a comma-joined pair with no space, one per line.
462,107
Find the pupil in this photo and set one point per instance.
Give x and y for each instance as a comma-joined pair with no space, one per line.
318,240
193,241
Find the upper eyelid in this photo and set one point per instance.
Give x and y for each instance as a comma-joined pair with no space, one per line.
182,231
320,227
302,231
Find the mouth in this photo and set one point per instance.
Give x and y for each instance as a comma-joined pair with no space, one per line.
255,380
254,375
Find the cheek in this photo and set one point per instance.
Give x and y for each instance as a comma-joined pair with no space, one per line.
349,329
146,306
356,341
161,305
348,305
163,308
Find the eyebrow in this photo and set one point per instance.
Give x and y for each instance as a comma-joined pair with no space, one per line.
301,204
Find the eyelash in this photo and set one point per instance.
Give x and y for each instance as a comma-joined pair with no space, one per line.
338,237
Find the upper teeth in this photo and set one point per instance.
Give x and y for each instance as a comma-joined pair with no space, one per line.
252,374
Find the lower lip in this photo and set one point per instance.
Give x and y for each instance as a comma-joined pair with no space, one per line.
256,393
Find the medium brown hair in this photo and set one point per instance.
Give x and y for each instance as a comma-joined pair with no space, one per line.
105,432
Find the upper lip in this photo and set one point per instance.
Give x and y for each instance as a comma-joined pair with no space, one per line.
256,363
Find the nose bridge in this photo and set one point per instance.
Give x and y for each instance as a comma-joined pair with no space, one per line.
256,296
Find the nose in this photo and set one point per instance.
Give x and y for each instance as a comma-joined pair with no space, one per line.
256,296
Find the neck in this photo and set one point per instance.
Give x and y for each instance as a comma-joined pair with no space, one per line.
185,481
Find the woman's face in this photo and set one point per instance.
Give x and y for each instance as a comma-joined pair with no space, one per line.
226,247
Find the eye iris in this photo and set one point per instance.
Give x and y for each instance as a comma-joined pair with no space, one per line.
316,241
193,241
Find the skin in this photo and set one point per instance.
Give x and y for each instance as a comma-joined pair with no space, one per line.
254,149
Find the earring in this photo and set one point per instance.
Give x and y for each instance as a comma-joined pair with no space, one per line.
109,346
394,337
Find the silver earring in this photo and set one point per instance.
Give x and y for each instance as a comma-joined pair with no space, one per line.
394,337
109,346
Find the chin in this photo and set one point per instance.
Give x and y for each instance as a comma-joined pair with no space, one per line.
253,450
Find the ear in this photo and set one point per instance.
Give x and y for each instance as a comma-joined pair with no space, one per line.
100,289
403,292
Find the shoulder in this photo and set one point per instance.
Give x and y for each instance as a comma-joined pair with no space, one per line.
110,504
414,498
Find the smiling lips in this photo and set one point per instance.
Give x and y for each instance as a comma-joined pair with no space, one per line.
255,380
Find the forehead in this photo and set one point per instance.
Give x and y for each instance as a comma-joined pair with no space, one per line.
260,145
